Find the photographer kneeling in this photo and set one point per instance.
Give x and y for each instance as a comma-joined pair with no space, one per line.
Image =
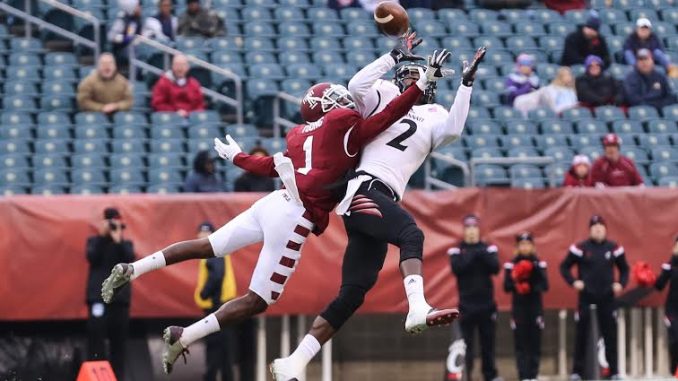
108,321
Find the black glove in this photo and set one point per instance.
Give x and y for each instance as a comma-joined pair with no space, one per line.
403,51
468,73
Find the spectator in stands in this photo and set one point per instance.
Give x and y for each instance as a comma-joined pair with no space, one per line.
644,38
613,169
558,96
585,41
563,6
105,90
250,182
203,178
523,80
597,88
644,85
216,286
201,22
595,259
177,91
108,321
474,263
163,25
125,27
669,274
526,280
579,174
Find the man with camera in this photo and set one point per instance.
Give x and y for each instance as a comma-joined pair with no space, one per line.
108,321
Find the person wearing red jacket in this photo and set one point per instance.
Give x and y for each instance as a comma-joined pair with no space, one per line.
613,169
176,91
579,174
525,278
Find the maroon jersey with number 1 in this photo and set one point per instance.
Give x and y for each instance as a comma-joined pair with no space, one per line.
323,151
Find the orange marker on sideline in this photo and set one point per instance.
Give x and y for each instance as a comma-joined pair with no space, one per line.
96,371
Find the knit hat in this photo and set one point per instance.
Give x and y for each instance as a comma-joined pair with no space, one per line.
597,219
580,159
471,220
593,21
525,59
524,236
112,213
591,59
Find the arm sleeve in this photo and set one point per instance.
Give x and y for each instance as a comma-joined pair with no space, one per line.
94,248
566,266
199,101
541,283
368,129
459,262
85,101
361,84
453,126
259,165
629,57
491,259
664,277
160,100
509,284
128,99
570,55
622,265
587,94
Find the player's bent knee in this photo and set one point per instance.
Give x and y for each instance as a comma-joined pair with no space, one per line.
411,243
255,303
340,310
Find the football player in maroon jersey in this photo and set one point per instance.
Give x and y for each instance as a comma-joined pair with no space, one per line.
319,153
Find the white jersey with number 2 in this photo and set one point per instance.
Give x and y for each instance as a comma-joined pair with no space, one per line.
395,154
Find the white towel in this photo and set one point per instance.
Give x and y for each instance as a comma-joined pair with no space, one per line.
351,188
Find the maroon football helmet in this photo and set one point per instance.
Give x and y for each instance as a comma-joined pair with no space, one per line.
322,98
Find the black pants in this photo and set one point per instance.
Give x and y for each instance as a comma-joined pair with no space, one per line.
672,320
108,321
370,230
527,341
233,344
607,326
483,321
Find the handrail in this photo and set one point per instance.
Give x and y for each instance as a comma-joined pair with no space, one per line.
279,120
237,102
430,181
30,19
96,23
537,160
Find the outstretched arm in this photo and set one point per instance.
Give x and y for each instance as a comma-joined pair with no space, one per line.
259,165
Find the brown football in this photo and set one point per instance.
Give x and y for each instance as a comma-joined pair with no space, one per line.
391,19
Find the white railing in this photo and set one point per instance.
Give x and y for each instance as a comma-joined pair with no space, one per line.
137,64
41,24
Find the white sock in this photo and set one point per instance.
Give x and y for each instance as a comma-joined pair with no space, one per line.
199,329
307,349
149,263
414,288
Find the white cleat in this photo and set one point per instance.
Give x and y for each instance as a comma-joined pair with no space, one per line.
120,276
281,371
419,321
172,348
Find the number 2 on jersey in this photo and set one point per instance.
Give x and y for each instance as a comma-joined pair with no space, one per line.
397,143
308,151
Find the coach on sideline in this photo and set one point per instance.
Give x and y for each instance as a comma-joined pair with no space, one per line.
110,321
596,258
474,262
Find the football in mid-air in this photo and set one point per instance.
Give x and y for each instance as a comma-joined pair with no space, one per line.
391,19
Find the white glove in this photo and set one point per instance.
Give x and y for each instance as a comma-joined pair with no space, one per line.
228,150
434,69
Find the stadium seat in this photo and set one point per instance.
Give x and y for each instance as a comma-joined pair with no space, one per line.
166,145
127,176
627,126
20,103
242,130
54,131
42,161
24,73
430,29
166,131
591,126
196,145
322,14
164,160
523,152
362,28
463,27
125,189
661,126
481,141
361,58
303,71
256,14
328,29
484,127
486,153
480,15
16,131
86,189
91,160
564,154
167,119
132,131
16,118
520,42
541,115
663,169
629,139
164,175
87,118
50,176
609,113
51,146
262,29
649,141
258,44
528,183
546,141
269,71
289,14
19,87
324,43
491,175
593,152
128,146
126,160
643,113
16,161
671,112
354,14
664,153
556,173
82,146
555,126
229,43
638,155
668,182
519,171
485,98
163,188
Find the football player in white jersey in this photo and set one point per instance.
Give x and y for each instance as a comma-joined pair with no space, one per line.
372,216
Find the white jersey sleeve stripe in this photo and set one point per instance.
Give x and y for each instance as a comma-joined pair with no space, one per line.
575,250
619,251
453,251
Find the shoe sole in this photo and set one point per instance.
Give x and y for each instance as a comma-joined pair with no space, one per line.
166,336
442,317
270,369
107,290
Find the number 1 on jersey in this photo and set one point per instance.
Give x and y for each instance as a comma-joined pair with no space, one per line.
308,151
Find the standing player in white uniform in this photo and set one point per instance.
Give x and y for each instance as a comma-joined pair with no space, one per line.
372,216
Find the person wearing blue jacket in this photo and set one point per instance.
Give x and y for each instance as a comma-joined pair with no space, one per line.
646,86
644,38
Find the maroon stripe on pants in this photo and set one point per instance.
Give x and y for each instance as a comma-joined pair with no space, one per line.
278,278
293,245
275,295
302,231
287,262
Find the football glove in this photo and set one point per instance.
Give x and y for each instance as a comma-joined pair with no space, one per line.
403,51
468,73
228,150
